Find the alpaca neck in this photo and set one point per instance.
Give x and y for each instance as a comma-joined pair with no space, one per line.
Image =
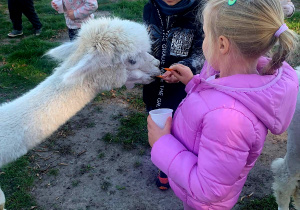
55,103
30,119
2,200
293,143
292,156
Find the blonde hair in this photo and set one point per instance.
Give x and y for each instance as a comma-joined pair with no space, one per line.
250,25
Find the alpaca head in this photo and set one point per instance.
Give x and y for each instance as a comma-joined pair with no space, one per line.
109,51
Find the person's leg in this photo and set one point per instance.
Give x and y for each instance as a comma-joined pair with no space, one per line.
15,14
29,12
73,33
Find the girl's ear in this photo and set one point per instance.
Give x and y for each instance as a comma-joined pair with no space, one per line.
223,44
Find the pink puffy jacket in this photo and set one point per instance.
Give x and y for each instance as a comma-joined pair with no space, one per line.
218,132
83,11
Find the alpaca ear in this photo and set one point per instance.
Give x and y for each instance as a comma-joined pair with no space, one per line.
91,62
63,51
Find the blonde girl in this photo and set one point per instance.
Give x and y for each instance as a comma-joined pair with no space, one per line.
219,129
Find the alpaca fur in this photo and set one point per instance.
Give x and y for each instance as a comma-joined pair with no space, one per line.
287,170
2,200
108,53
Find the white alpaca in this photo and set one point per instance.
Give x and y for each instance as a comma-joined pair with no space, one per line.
107,54
287,170
2,200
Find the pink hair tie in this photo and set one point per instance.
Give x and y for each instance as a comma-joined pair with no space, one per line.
281,29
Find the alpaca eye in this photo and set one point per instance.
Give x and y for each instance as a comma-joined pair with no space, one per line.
131,61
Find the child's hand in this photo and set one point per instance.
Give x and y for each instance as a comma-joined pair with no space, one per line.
169,77
54,6
155,132
288,7
70,14
182,73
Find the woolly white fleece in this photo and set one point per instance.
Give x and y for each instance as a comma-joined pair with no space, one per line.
2,200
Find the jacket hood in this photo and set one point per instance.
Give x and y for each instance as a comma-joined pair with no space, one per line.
272,98
188,12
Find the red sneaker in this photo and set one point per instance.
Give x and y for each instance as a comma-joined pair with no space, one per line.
162,181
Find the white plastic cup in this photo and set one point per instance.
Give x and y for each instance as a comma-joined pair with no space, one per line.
59,4
160,116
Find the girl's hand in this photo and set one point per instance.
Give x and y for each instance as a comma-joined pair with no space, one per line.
182,73
70,14
54,6
288,7
155,132
169,77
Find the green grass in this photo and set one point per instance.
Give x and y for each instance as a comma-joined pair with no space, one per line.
132,131
132,10
294,22
23,66
16,182
266,203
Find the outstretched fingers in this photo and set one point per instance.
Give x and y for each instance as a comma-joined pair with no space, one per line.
56,8
181,72
169,77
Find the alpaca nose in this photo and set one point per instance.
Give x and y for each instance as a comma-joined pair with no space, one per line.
152,60
155,62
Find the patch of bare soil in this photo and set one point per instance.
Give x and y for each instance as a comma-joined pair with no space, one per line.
81,171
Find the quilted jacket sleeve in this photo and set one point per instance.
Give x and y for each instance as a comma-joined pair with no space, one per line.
223,154
87,9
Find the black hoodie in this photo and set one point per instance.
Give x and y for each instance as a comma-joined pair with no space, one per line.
175,39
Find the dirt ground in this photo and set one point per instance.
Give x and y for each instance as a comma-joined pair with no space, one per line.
81,171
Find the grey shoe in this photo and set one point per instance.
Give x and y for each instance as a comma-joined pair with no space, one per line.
38,32
15,33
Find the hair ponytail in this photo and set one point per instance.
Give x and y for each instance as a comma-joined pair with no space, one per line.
288,41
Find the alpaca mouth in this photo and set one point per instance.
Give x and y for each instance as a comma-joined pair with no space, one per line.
157,76
168,69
